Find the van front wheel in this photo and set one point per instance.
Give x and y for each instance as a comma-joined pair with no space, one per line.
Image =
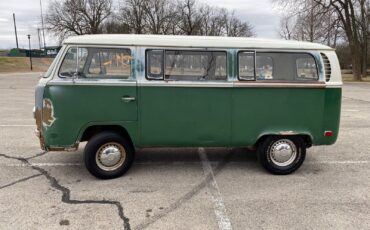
108,155
281,154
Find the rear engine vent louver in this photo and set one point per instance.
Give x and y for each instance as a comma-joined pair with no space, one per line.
327,66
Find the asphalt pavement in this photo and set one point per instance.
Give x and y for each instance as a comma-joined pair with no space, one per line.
191,188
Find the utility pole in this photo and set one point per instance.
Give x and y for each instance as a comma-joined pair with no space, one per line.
42,24
29,46
15,31
38,34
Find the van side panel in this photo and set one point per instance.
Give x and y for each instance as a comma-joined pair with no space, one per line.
185,116
333,101
72,108
288,111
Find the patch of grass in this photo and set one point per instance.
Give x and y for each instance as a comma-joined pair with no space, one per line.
5,60
348,76
22,64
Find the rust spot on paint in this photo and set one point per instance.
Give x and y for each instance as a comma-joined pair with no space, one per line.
47,113
68,149
38,118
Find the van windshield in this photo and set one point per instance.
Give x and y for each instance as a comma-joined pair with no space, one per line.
52,65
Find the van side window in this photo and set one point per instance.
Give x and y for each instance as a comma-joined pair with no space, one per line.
246,65
186,65
195,65
278,66
92,62
108,63
264,66
154,67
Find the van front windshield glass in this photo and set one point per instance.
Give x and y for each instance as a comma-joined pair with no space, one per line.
52,65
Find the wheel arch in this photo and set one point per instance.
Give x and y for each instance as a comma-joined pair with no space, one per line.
307,137
89,131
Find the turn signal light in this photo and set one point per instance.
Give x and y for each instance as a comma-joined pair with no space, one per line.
328,133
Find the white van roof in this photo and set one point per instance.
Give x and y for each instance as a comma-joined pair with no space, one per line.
192,42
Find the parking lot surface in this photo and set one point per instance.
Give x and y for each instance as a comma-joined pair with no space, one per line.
191,188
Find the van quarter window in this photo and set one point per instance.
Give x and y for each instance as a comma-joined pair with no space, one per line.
277,66
94,62
306,68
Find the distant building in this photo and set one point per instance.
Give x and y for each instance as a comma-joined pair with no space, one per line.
4,53
50,51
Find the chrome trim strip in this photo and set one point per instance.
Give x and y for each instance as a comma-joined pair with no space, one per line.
186,84
101,82
110,82
192,46
334,86
278,85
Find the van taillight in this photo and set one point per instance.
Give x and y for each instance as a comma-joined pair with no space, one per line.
328,133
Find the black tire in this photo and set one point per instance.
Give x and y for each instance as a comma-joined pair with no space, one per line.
266,155
105,140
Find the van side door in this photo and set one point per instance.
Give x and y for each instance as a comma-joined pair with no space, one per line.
94,86
185,99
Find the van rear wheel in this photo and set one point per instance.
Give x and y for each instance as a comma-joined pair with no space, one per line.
108,155
281,154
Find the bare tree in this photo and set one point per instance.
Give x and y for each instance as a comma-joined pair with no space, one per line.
133,13
159,16
286,27
78,16
236,28
115,26
365,32
190,18
350,15
221,22
213,21
310,23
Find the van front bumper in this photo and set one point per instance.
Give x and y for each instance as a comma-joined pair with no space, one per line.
41,139
37,117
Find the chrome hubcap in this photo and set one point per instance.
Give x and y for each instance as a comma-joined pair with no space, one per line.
110,156
283,152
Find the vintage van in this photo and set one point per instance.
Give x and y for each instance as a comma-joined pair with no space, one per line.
123,92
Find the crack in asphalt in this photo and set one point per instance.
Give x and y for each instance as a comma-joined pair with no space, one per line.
66,198
187,196
20,180
37,155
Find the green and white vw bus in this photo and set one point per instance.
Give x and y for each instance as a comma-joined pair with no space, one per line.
122,92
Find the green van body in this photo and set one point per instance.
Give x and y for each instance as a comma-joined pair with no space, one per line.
233,113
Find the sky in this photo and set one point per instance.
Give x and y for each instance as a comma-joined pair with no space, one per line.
261,14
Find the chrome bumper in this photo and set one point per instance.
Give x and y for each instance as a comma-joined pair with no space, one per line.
37,131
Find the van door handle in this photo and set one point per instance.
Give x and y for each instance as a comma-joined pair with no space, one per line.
128,99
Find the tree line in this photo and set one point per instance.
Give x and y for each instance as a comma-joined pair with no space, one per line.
176,17
341,24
